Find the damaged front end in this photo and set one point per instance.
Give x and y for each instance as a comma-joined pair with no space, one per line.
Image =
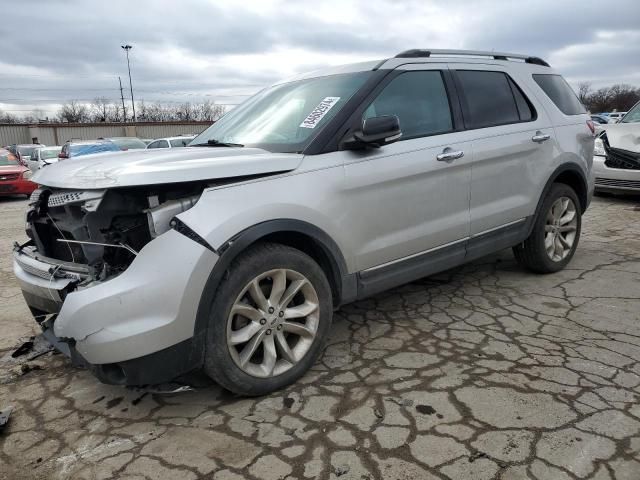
98,261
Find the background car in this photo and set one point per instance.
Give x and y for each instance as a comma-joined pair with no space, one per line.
14,177
24,151
599,118
616,159
615,117
74,149
127,143
172,142
44,156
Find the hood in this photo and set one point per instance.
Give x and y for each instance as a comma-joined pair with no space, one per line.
159,166
624,136
12,169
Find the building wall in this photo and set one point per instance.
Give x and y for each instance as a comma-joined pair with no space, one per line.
13,134
58,133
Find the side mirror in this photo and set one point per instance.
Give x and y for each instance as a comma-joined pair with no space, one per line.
62,155
376,132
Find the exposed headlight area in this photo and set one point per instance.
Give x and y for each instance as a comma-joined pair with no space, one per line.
101,230
598,148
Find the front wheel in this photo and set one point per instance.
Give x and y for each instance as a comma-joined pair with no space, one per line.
268,321
555,234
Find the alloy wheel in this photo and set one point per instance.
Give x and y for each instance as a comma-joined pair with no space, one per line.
273,323
560,228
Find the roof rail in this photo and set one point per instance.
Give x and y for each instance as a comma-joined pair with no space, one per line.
424,53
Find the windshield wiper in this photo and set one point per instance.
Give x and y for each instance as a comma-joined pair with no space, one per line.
216,143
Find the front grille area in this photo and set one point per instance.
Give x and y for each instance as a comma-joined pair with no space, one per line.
62,198
33,270
7,177
622,159
612,182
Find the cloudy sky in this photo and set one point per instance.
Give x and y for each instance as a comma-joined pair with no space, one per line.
191,50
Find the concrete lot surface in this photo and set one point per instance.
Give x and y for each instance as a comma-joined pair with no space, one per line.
482,372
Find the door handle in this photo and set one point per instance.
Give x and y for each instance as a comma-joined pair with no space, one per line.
540,137
448,155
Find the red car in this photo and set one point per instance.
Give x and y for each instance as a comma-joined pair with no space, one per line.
14,178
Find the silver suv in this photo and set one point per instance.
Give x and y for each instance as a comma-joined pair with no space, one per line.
231,254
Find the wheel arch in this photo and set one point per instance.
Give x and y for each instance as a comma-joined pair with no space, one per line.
294,233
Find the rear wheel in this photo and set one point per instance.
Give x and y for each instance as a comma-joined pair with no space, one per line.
268,321
555,234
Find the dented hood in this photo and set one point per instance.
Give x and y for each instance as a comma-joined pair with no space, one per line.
157,166
624,136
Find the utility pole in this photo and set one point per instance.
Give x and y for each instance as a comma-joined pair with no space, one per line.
126,48
124,110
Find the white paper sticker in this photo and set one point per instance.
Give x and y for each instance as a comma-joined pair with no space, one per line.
319,112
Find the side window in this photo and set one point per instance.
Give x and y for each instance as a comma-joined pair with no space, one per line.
525,109
420,101
491,99
163,144
155,144
560,93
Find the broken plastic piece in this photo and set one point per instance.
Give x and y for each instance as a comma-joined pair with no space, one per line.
5,413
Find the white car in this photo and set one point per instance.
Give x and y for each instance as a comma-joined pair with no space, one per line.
171,142
616,160
615,117
41,157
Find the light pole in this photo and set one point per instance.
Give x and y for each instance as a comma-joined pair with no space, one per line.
126,48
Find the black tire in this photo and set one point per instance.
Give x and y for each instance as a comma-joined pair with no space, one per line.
219,363
531,253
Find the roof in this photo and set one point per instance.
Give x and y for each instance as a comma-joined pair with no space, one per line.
418,55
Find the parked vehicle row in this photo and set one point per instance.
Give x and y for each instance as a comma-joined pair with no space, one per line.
36,156
231,255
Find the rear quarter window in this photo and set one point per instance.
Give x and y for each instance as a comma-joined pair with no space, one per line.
491,98
560,93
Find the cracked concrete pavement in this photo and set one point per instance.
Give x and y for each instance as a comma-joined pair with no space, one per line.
482,372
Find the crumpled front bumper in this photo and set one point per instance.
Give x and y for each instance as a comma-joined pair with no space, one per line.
148,308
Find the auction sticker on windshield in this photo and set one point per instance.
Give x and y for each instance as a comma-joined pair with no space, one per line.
319,112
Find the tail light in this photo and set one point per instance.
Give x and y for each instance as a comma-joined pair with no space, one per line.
591,126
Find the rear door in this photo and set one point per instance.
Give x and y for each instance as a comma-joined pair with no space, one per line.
411,196
512,141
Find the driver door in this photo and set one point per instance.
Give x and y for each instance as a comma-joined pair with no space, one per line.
411,197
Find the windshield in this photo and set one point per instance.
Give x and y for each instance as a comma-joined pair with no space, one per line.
48,153
633,115
129,143
26,151
8,159
286,117
89,148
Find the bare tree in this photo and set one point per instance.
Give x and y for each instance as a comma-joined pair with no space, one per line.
7,117
615,98
101,110
185,112
209,111
73,112
584,89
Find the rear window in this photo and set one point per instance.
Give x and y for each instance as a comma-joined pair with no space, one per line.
491,99
560,93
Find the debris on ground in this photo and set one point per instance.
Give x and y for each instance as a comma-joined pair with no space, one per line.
163,388
23,349
341,470
476,456
5,413
29,350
